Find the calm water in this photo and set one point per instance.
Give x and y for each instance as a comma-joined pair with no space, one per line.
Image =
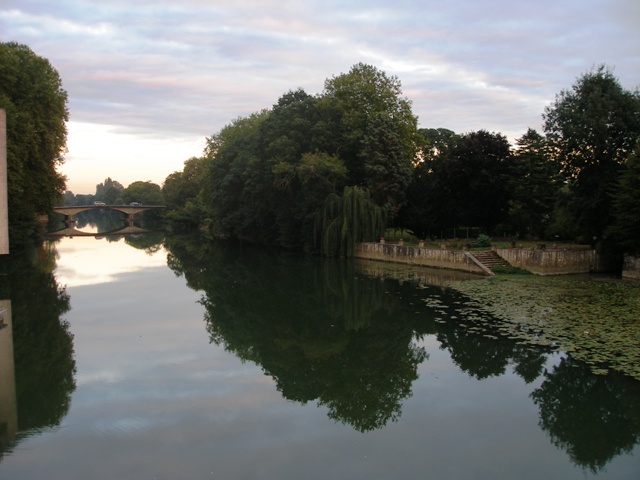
179,360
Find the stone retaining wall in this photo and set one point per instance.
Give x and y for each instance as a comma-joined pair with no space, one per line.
550,262
540,262
631,268
427,257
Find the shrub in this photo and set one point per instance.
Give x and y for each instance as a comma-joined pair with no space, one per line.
481,241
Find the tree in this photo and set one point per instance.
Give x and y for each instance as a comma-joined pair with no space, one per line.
181,192
626,204
346,220
428,209
438,142
592,129
110,191
533,185
375,132
465,182
267,175
479,176
228,198
179,187
148,193
31,93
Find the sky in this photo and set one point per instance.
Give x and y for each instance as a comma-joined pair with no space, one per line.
148,81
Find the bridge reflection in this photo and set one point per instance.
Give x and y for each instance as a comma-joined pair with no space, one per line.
73,232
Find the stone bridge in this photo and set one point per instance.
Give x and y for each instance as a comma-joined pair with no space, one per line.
128,210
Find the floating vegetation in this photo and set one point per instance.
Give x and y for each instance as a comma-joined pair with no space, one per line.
597,322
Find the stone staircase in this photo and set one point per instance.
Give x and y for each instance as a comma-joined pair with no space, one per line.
487,259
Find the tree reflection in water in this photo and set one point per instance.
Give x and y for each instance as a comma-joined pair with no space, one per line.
592,417
319,330
329,334
42,344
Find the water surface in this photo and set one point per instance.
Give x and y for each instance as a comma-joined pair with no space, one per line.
141,360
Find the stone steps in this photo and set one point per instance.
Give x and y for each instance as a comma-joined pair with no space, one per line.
489,258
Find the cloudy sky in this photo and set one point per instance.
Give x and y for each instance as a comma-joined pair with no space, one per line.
149,80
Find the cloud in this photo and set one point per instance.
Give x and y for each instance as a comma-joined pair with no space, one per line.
187,69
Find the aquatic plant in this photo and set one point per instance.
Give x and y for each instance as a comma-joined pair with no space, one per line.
594,321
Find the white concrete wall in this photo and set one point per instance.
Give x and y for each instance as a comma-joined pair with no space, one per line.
4,207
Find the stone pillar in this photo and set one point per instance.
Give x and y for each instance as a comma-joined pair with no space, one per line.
4,207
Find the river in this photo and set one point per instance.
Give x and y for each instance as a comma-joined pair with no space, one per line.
176,358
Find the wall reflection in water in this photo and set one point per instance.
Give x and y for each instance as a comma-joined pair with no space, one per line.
38,381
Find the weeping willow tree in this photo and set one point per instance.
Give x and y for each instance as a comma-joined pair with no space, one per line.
345,220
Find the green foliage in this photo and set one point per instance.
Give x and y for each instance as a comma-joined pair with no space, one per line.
346,220
110,192
570,315
147,193
393,234
594,124
428,208
482,241
626,205
533,182
182,194
231,160
463,180
43,349
375,132
36,108
267,175
592,129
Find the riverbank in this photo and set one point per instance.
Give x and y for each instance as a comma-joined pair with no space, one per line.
541,261
419,256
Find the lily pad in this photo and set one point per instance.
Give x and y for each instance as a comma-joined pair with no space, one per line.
597,322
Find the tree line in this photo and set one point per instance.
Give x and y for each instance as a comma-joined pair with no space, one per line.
318,173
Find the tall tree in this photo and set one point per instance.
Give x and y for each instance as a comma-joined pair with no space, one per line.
626,205
375,132
148,193
465,183
428,208
36,106
268,174
228,198
533,184
182,193
109,191
593,128
480,170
